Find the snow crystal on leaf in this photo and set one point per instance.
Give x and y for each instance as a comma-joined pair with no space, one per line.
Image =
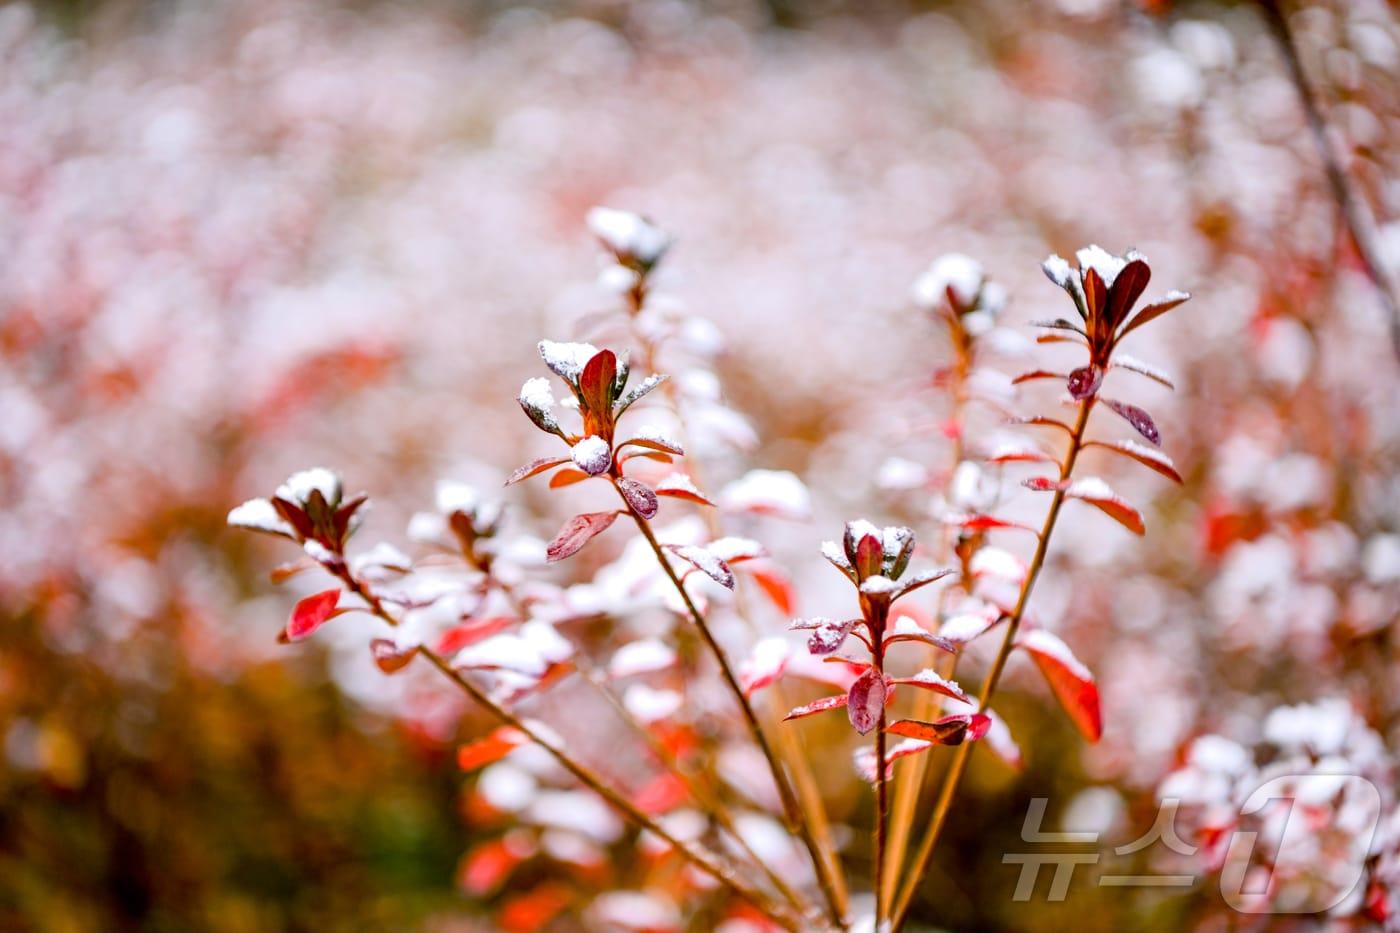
878,586
260,515
997,562
628,234
649,705
768,492
318,552
1090,487
592,455
537,394
300,485
706,562
832,552
657,436
641,657
566,360
641,389
964,627
1057,270
731,549
1101,261
456,497
955,271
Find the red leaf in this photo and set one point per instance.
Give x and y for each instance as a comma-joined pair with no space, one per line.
639,496
930,679
680,486
535,467
818,706
1045,484
987,523
1070,680
493,748
764,665
389,656
485,867
567,477
661,444
1040,421
596,381
310,613
776,587
1036,374
532,911
1155,310
1096,493
1127,288
470,632
950,730
662,794
1123,361
865,700
577,532
1152,459
1139,419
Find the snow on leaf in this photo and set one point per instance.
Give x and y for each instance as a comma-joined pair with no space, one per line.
1044,484
764,665
706,562
1149,457
1097,493
505,652
383,556
906,629
866,760
566,360
1071,682
1058,271
878,586
1107,265
629,235
964,627
923,578
997,562
830,636
1124,361
929,679
388,656
638,391
768,492
592,455
1018,453
260,515
639,496
537,400
1140,420
641,657
654,439
310,613
650,705
490,749
818,706
681,486
534,468
865,701
300,485
733,550
832,552
577,532
950,275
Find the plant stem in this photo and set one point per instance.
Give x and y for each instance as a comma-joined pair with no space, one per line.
882,806
1357,221
989,684
709,863
710,804
791,811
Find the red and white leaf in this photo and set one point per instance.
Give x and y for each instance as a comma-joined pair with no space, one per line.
733,550
1149,457
680,486
311,613
1045,484
764,665
921,579
865,701
829,636
654,440
866,760
1019,453
647,656
489,750
1041,421
534,468
1124,361
1097,493
1071,682
388,656
906,629
929,679
818,706
577,532
470,632
986,523
639,496
1155,309
1140,420
705,562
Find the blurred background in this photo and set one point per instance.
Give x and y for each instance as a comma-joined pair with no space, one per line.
241,238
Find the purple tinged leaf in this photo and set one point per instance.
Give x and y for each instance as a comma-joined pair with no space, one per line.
818,706
639,496
865,701
706,562
830,636
1155,310
1127,288
577,532
1140,420
1084,382
534,468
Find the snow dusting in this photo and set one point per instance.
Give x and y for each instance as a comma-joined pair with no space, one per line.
260,515
592,455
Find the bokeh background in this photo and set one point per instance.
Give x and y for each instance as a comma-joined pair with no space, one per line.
240,238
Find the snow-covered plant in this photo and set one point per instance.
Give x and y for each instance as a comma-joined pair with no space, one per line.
503,639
